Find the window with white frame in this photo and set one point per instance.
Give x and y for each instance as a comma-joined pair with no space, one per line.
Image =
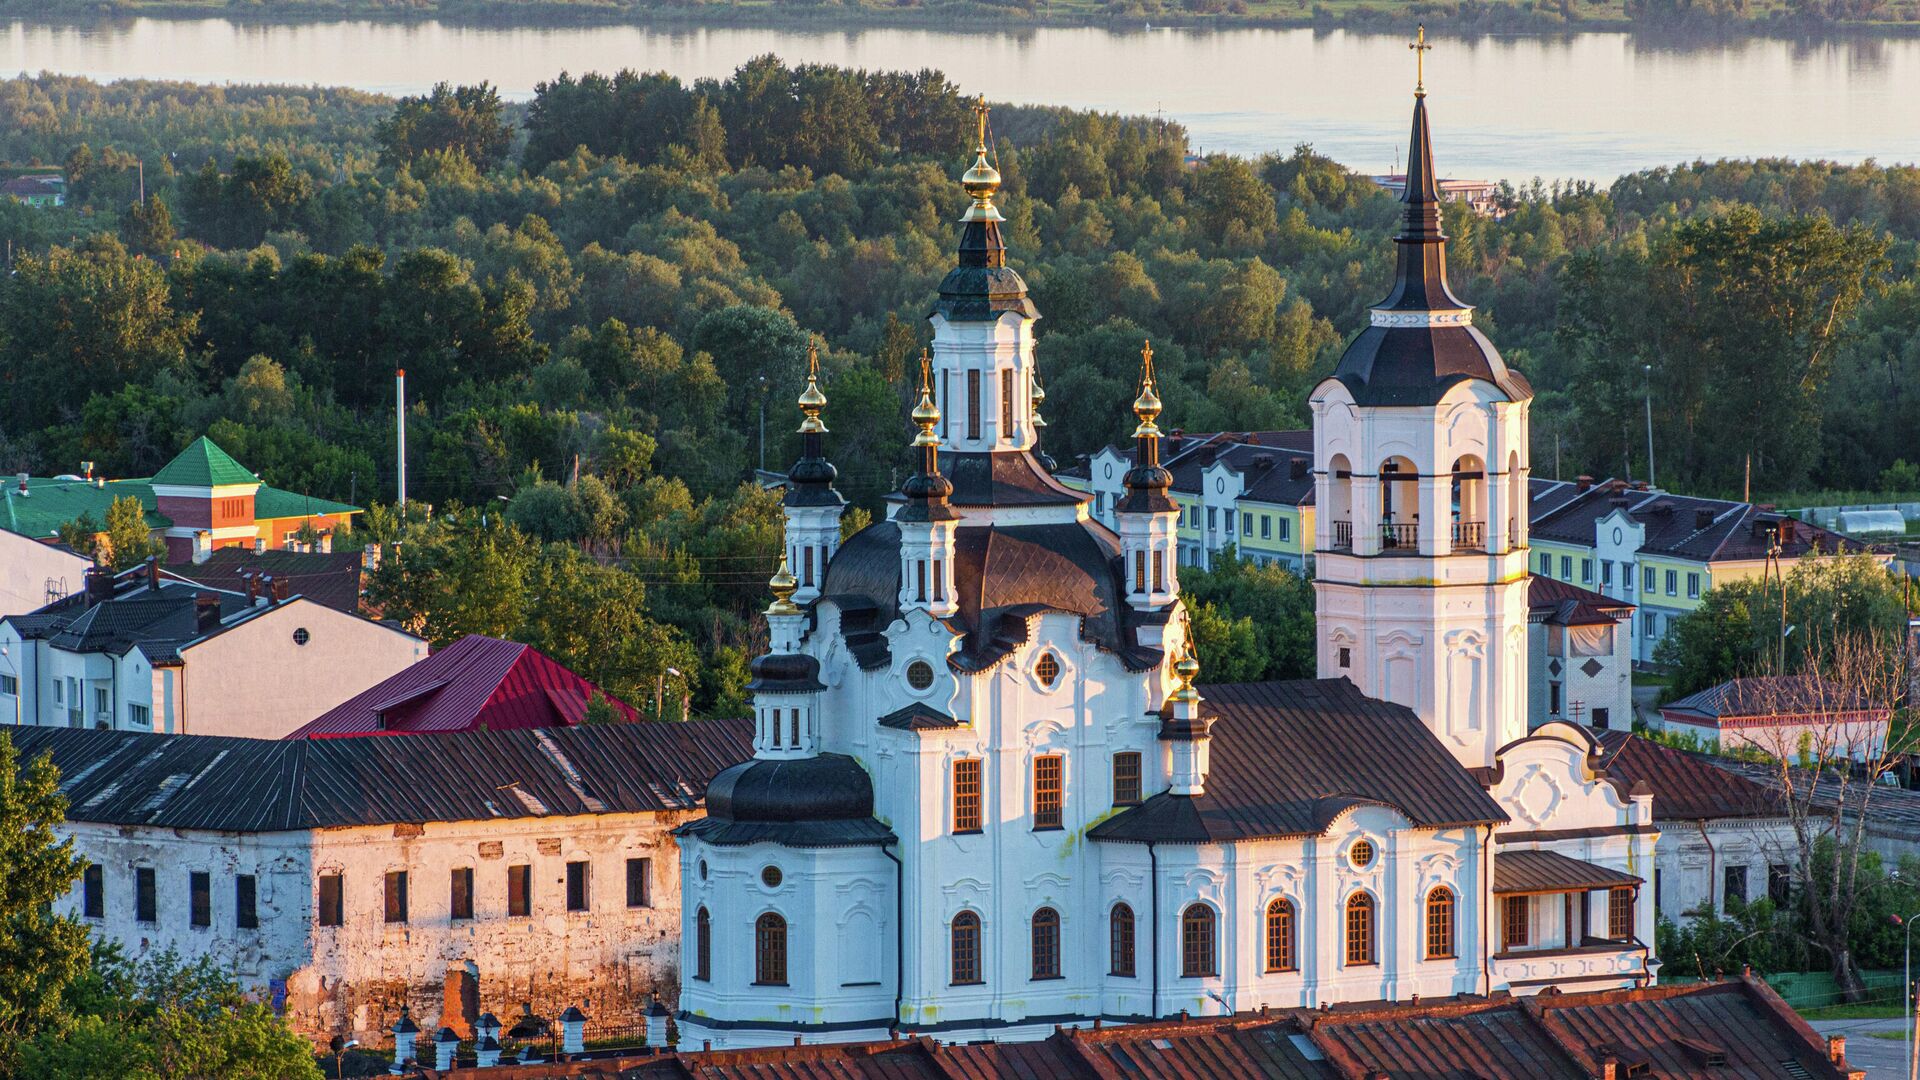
139,714
1693,586
9,685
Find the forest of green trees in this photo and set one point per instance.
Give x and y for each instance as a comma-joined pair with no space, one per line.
596,294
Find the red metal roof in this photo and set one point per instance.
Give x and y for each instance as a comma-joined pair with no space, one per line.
473,684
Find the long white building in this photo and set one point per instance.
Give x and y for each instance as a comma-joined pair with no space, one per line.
986,798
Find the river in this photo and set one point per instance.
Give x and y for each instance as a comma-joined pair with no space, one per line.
1588,106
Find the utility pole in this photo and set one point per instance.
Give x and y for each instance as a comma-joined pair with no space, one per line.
141,164
400,441
763,423
1651,483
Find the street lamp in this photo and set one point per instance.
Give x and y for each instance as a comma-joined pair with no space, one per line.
1906,988
340,1046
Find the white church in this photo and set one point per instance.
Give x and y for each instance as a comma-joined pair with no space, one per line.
987,799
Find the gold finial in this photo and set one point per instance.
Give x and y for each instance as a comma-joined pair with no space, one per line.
1420,50
925,413
1186,669
983,179
783,586
1038,396
811,399
1147,405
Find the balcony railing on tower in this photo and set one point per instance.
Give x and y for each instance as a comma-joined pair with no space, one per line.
1343,536
1470,535
1394,535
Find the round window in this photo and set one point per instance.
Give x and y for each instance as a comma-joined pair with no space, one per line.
703,869
1220,484
920,675
301,637
1109,470
1618,535
770,877
1048,669
1361,853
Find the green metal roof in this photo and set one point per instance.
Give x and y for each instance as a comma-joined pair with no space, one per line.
271,502
53,503
203,464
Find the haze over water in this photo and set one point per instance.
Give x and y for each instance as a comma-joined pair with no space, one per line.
1588,106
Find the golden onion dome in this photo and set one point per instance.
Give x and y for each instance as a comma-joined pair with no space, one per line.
1147,405
926,414
783,585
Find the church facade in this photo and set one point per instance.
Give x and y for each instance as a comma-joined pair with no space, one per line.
987,798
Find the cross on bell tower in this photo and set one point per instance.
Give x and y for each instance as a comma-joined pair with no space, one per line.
1420,50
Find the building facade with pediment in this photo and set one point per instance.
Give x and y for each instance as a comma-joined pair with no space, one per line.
987,798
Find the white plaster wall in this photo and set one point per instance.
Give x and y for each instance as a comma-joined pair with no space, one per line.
33,574
254,680
1694,855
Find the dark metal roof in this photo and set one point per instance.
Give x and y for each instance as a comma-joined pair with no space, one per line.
159,617
1003,478
1562,603
1674,1028
324,577
1287,758
918,717
1683,526
785,673
1686,786
1772,695
1521,872
476,682
261,785
982,287
825,787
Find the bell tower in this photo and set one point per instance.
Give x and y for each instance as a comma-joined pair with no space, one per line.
1421,459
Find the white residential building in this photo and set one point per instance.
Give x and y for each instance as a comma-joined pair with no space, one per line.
143,650
33,574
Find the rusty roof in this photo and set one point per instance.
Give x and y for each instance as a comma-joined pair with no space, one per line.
1686,786
227,784
1519,872
1676,1031
1288,757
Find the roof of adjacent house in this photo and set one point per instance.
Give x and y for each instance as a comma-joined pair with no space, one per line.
1686,786
1681,1032
203,464
30,185
1566,604
1267,459
1289,757
51,503
155,612
1681,526
476,683
325,577
1771,695
226,784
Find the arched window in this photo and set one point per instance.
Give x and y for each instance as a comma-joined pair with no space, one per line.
1440,923
966,949
770,950
1046,944
702,945
1360,929
1399,504
1120,943
1469,497
1339,510
1280,956
1196,941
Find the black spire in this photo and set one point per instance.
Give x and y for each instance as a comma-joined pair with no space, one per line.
1420,280
810,481
982,285
1148,481
926,490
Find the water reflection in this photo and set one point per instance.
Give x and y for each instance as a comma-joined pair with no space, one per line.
1586,105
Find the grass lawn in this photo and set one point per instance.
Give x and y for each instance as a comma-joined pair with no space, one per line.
1890,1036
1883,1010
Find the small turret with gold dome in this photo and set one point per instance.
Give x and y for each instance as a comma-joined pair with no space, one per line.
1148,482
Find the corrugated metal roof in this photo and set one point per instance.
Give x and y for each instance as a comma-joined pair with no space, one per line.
1771,695
1520,872
1686,786
330,578
475,683
1289,756
260,785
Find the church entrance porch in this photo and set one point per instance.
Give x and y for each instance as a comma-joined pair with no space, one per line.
1567,923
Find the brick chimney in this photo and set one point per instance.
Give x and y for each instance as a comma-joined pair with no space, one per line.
1837,1049
253,585
279,588
99,584
22,478
1582,482
153,573
206,611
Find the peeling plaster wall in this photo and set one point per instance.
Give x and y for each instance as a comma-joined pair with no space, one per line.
353,978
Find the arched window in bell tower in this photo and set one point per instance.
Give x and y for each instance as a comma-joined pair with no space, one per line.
1469,501
1399,504
1339,509
1516,502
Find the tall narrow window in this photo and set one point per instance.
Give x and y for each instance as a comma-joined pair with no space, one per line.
200,898
639,882
1440,924
1139,571
246,894
396,896
577,886
973,404
770,950
1159,572
920,580
1360,929
1280,954
1126,778
1514,914
460,898
793,727
702,945
1196,942
93,900
806,566
966,795
1046,792
1620,914
1006,404
1046,944
943,398
1120,941
331,906
939,580
519,891
965,949
144,907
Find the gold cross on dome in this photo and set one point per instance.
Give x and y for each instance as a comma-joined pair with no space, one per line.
1420,50
980,116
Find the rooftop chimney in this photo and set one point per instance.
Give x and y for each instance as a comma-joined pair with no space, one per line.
206,611
1582,482
99,584
1837,1049
1702,519
1297,469
153,573
23,485
86,469
253,585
